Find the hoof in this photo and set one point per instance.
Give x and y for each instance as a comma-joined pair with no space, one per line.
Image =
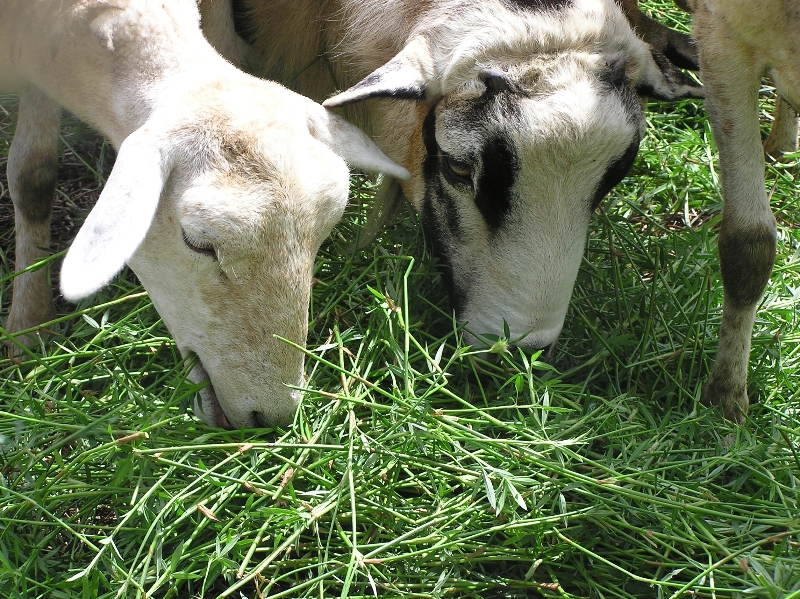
22,322
732,399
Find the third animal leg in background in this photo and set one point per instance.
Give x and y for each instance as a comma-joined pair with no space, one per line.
32,170
783,133
747,236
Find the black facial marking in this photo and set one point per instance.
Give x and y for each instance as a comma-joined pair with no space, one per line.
433,184
437,232
620,166
475,114
500,169
615,172
614,77
614,73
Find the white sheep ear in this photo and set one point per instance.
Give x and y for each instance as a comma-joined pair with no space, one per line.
118,223
408,76
352,144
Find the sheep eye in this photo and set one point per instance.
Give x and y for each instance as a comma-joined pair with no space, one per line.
456,169
201,248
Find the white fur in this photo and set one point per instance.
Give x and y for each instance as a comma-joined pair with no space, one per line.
565,128
120,220
237,165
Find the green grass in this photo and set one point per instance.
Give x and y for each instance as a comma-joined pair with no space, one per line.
416,467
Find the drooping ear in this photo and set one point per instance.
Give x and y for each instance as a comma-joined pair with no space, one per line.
119,221
659,79
352,144
408,76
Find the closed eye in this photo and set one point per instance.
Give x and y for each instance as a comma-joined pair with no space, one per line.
200,247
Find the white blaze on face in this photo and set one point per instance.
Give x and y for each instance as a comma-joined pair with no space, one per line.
511,180
241,247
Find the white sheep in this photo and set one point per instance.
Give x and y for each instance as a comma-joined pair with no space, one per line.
739,41
515,118
223,188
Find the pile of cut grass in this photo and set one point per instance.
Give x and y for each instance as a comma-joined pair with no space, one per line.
417,467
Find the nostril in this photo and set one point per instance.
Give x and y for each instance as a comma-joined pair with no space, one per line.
259,420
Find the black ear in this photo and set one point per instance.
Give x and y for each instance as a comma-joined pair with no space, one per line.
659,79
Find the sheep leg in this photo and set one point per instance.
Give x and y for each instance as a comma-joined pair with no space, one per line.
783,134
32,170
678,47
748,233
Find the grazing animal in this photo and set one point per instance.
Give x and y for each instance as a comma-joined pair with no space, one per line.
223,188
515,118
739,41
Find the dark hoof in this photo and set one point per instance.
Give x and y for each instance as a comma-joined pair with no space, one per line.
732,399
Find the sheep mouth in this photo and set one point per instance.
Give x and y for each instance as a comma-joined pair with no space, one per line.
206,405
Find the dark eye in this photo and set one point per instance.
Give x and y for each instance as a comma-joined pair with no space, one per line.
455,170
204,248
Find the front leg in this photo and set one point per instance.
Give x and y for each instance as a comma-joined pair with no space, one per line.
748,232
32,170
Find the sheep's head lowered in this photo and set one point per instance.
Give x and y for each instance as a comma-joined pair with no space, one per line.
515,120
223,189
221,216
